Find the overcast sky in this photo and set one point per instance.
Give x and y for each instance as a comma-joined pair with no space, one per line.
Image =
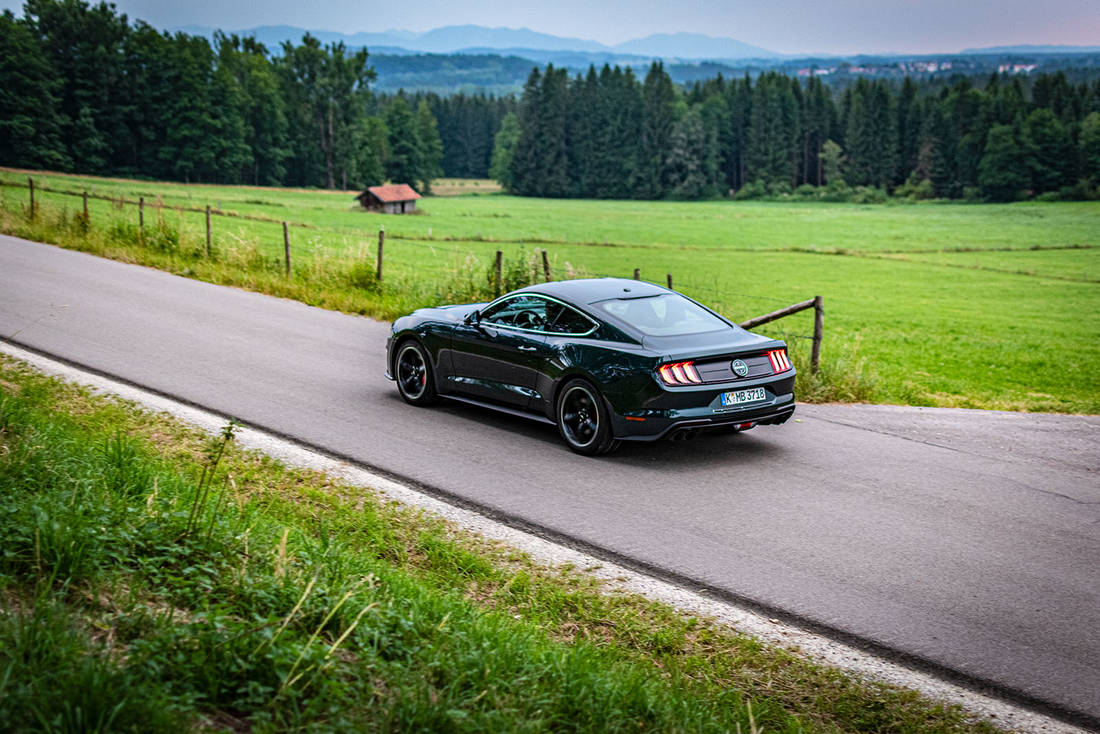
786,26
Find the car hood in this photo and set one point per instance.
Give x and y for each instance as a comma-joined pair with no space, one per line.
708,344
447,313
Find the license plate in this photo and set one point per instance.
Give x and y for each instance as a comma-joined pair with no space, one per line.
739,397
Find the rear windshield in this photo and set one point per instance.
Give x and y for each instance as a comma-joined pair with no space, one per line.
668,314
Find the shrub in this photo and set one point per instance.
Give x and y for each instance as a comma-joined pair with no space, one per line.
837,190
363,274
868,195
779,188
754,190
163,238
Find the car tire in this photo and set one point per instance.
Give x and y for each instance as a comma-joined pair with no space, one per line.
413,374
584,420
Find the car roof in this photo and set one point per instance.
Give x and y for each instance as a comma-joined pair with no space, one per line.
591,290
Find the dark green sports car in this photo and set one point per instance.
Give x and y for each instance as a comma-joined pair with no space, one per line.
605,360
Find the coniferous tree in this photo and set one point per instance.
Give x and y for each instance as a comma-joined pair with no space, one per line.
872,135
734,158
404,164
431,147
553,156
773,149
969,131
582,122
1089,147
616,134
687,159
467,126
524,172
658,119
1049,150
1054,92
816,119
909,119
1002,172
715,117
933,156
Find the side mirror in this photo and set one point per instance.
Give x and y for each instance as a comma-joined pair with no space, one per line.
473,317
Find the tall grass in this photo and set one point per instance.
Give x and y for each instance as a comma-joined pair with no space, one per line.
343,278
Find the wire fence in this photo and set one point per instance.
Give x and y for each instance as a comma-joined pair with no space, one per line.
437,257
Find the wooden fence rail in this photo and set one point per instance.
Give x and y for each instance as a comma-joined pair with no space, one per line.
817,303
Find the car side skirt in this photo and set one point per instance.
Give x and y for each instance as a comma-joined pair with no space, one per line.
499,408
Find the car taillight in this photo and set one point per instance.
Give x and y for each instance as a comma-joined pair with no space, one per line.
679,373
779,360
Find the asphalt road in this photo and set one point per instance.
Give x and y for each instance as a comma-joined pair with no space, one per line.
969,540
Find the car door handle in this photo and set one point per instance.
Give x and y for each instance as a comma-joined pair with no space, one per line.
526,349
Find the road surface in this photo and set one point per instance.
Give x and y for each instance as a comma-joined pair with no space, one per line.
967,542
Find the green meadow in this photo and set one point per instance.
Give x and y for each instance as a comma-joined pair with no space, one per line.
943,304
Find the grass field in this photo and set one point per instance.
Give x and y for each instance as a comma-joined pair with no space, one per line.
989,306
154,578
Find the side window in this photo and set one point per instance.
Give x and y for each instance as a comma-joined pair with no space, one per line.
525,312
564,320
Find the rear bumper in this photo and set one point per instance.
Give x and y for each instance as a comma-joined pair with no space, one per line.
700,408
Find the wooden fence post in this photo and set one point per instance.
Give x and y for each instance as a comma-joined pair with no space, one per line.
31,182
670,281
381,242
85,207
208,230
819,332
637,274
286,248
141,217
546,266
497,274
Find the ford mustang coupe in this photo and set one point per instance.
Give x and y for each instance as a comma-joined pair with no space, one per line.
605,360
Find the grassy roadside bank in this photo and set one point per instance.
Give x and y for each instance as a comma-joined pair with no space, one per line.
156,579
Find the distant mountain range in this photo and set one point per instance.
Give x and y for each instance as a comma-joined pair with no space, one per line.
1034,50
523,42
476,59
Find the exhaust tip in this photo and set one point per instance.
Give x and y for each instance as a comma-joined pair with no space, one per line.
683,434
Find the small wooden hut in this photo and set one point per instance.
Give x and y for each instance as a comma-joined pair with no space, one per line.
393,199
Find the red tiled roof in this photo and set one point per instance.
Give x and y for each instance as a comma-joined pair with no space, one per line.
394,193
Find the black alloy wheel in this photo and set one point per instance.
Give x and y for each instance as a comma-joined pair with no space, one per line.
583,419
414,374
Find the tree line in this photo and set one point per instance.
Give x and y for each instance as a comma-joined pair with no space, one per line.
607,134
83,89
